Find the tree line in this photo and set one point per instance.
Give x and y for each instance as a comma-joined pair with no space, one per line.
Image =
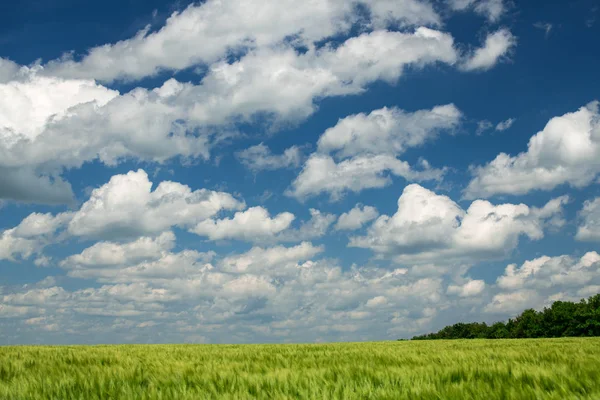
562,319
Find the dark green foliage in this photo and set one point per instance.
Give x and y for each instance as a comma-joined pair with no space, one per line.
562,319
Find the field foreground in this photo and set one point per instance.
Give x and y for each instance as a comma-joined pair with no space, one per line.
475,369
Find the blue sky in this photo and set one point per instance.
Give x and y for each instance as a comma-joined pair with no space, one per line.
247,171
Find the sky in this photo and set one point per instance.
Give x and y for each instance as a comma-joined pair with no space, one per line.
251,171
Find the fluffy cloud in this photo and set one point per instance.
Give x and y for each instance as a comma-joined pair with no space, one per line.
539,282
154,267
275,261
106,254
567,151
256,225
8,70
48,124
432,228
367,147
278,293
317,226
128,207
45,134
387,131
497,45
356,218
29,105
259,158
468,289
284,84
589,229
30,237
321,174
250,225
207,32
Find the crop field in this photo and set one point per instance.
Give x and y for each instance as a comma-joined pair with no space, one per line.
465,369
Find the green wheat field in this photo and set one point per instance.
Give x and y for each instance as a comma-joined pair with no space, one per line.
461,369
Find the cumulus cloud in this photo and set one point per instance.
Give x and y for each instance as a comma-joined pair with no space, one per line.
29,105
566,151
253,224
367,146
431,228
127,206
35,232
468,289
42,135
322,174
387,131
259,158
274,261
496,46
280,293
539,282
229,26
589,229
8,70
317,226
356,218
106,254
152,261
256,225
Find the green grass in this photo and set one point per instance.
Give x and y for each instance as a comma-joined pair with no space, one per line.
475,369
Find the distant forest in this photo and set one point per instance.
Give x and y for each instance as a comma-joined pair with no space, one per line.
562,319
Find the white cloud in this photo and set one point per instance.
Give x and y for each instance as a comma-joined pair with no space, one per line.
468,289
321,174
539,282
106,254
356,218
366,147
497,45
589,229
275,261
432,228
504,125
151,267
254,224
259,158
387,131
182,119
128,207
566,151
30,237
8,70
491,9
13,247
207,32
29,105
264,293
284,84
